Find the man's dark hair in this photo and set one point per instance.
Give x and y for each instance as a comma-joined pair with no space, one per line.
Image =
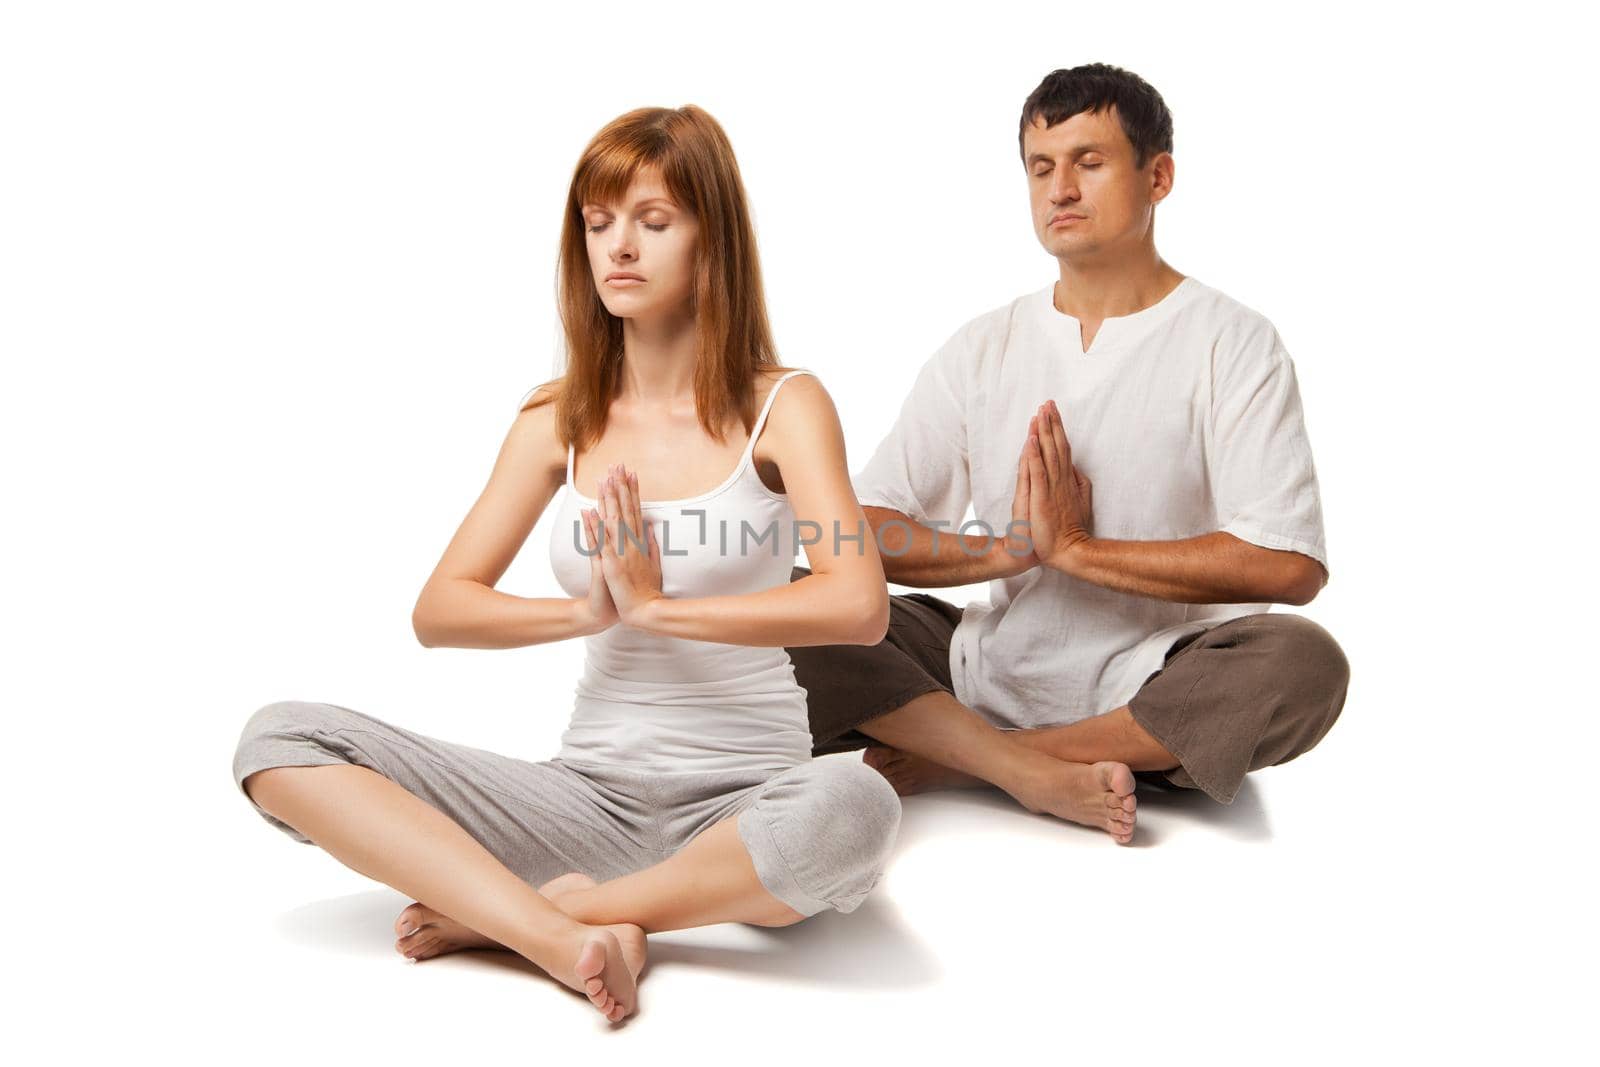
1095,87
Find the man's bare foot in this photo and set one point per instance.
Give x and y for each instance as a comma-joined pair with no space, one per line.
425,933
911,774
1094,794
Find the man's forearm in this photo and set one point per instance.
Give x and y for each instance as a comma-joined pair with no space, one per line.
922,556
1214,568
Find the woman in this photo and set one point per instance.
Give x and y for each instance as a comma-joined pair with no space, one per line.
684,792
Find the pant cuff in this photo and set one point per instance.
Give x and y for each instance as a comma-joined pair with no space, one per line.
771,868
279,756
1186,775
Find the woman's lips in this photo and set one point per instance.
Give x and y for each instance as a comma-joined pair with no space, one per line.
624,283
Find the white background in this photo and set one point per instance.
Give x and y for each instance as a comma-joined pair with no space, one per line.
275,275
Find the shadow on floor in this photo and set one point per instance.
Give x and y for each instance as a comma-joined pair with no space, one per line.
1244,820
871,948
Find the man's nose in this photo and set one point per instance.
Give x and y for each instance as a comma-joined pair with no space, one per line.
1063,185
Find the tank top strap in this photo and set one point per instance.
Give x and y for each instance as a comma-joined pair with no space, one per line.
761,419
570,448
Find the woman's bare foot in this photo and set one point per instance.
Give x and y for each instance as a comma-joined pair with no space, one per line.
911,774
1093,794
432,933
425,933
587,959
600,973
631,937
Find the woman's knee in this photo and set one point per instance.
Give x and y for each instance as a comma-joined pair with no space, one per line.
872,800
277,734
282,718
822,835
861,821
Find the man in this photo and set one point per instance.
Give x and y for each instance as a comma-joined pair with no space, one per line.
1133,439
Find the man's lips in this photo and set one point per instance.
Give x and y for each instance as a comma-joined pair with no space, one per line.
1066,217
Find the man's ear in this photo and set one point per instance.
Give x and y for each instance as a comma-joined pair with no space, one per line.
1161,174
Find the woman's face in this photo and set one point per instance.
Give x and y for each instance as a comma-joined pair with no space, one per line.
641,251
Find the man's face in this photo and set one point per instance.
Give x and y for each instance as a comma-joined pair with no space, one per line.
641,251
1088,196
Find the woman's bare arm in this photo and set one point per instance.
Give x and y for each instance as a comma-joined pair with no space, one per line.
845,599
459,607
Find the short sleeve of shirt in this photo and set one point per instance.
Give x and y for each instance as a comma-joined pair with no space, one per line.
1263,479
921,468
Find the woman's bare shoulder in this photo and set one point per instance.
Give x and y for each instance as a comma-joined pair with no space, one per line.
803,407
540,397
807,382
534,436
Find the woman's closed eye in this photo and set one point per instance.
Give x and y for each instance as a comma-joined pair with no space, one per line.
655,226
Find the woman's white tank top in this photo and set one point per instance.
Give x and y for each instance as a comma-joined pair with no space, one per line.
672,703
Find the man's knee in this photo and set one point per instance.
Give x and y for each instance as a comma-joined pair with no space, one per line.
1310,653
1314,676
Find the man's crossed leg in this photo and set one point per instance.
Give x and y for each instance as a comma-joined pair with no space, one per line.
1248,693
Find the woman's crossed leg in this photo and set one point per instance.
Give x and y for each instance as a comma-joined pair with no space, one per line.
394,805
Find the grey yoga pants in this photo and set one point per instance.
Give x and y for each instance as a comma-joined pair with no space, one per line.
819,833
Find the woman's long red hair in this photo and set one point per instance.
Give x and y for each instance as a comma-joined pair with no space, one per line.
691,154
